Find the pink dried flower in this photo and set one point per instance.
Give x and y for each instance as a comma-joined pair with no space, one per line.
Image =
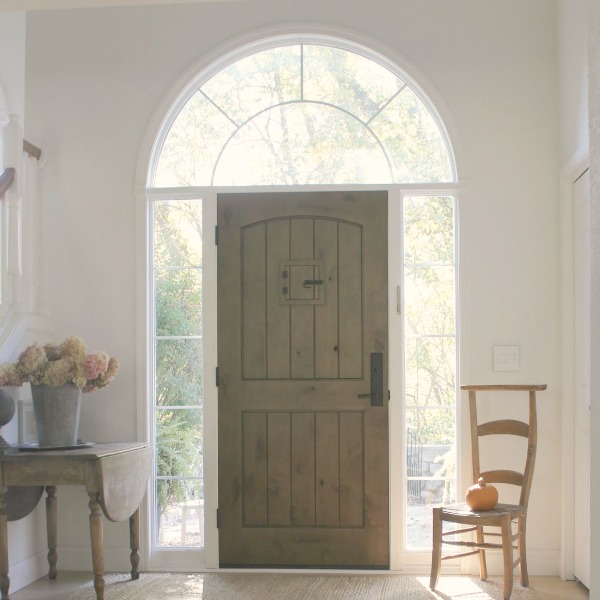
105,378
95,365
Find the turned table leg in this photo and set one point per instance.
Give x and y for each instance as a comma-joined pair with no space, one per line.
51,529
4,579
134,543
97,544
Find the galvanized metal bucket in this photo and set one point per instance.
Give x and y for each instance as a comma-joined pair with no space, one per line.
56,410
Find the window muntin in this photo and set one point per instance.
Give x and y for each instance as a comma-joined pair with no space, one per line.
304,114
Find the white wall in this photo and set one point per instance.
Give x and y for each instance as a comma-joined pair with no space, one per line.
96,77
27,549
12,63
573,69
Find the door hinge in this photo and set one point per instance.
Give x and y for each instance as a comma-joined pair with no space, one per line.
216,235
218,518
217,376
398,300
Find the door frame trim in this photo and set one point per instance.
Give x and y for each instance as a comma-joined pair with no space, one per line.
162,559
570,173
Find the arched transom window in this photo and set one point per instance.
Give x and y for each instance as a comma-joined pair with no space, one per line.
304,114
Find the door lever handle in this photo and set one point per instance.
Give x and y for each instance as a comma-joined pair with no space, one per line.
376,394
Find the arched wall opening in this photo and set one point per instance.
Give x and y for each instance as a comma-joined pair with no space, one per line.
297,112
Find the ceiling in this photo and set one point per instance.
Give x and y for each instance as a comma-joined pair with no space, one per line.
21,5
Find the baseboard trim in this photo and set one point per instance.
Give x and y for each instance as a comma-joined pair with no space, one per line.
28,570
539,562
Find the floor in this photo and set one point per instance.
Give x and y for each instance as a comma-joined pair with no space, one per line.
548,588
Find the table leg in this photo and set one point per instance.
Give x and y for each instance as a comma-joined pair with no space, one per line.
4,579
97,544
51,529
134,543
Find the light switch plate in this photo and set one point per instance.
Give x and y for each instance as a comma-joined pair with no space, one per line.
506,358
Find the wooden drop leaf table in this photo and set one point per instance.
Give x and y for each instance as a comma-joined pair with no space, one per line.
115,477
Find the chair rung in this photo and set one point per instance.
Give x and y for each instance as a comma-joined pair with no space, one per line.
461,555
483,545
492,534
457,531
516,562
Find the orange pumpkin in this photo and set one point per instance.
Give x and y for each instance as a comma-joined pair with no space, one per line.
482,496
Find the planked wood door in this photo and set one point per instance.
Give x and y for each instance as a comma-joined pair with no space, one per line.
302,322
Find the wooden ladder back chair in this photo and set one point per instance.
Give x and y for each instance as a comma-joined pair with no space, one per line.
503,515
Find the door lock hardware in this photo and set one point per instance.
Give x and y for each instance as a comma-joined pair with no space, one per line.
376,394
312,282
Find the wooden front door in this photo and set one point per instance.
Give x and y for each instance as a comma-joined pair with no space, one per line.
302,333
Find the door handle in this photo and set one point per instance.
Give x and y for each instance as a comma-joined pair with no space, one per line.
312,282
376,394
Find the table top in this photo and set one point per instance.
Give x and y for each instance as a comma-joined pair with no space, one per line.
94,451
117,473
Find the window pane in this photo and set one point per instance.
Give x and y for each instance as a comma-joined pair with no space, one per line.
432,426
348,80
178,233
178,302
302,144
178,372
430,371
429,230
256,82
192,146
180,513
430,300
413,141
422,497
179,443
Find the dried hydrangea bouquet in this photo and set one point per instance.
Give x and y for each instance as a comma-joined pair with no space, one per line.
58,373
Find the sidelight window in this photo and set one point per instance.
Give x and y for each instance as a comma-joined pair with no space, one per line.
430,360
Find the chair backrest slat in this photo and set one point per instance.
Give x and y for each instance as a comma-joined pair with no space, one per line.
505,427
503,476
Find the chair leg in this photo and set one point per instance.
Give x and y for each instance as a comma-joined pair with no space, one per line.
523,551
436,552
507,551
482,562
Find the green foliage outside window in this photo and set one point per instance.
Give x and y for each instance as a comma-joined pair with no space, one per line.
178,350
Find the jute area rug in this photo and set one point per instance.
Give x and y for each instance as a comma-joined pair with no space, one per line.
243,586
